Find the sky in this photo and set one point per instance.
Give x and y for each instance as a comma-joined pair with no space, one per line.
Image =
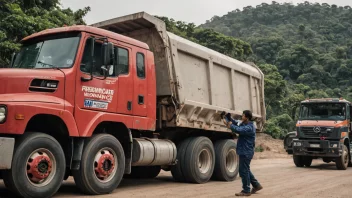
195,11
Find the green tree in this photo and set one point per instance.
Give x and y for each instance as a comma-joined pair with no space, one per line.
224,44
267,49
21,18
274,88
297,60
227,45
279,126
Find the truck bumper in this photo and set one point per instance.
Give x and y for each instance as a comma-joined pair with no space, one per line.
317,148
7,146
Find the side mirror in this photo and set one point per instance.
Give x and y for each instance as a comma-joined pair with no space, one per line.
108,58
13,57
92,43
107,53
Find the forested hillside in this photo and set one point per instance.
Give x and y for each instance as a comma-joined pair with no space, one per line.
305,50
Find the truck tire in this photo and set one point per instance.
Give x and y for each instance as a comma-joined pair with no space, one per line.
177,170
38,166
226,161
102,165
144,172
342,161
307,160
298,160
199,162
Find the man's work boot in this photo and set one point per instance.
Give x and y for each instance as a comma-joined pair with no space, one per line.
243,194
256,189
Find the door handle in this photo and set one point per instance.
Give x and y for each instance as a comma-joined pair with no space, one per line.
129,105
140,99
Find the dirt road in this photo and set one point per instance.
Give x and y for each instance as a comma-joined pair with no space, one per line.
279,177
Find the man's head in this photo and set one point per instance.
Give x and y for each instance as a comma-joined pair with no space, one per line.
246,116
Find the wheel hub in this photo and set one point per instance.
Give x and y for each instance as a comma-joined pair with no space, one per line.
104,165
39,168
204,161
231,161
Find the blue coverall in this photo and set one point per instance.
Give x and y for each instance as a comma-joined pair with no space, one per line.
245,150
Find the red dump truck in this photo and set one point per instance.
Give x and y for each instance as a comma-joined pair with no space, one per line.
122,97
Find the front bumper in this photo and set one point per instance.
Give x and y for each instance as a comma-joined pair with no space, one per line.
317,148
7,146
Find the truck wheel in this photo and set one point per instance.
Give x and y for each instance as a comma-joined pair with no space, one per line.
177,170
226,160
307,160
144,172
199,161
38,166
342,161
102,165
298,160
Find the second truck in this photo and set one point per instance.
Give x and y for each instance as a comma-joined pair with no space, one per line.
122,97
323,131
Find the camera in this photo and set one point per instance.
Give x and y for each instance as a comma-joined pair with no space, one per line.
226,116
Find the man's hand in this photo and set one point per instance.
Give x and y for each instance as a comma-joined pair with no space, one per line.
229,124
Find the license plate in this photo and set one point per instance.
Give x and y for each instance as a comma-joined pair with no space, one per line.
315,145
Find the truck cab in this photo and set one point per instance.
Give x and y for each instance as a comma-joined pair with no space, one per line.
64,88
322,131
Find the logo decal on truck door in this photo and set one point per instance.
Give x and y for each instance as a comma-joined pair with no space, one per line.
98,93
95,104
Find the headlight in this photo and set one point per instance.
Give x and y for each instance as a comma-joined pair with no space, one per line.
297,143
2,114
333,145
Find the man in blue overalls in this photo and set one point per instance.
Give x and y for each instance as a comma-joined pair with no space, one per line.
245,149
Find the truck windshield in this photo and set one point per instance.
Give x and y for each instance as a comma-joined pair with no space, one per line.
323,111
54,51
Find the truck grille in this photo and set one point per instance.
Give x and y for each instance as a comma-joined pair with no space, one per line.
309,132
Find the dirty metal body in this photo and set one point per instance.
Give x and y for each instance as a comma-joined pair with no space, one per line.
194,83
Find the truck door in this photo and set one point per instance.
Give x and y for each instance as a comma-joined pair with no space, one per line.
140,88
96,94
125,79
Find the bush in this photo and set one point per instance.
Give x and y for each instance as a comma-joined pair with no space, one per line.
259,149
279,126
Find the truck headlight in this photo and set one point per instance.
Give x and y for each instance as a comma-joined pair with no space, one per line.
297,143
3,112
333,145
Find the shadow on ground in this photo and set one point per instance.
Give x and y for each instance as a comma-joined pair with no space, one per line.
69,188
319,164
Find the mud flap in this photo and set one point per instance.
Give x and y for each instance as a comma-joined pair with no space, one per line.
78,144
128,154
7,146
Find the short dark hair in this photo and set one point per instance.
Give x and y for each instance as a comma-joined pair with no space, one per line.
248,114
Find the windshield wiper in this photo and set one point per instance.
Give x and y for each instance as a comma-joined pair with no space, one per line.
47,64
52,66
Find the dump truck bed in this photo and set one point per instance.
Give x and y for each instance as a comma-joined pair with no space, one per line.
203,81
